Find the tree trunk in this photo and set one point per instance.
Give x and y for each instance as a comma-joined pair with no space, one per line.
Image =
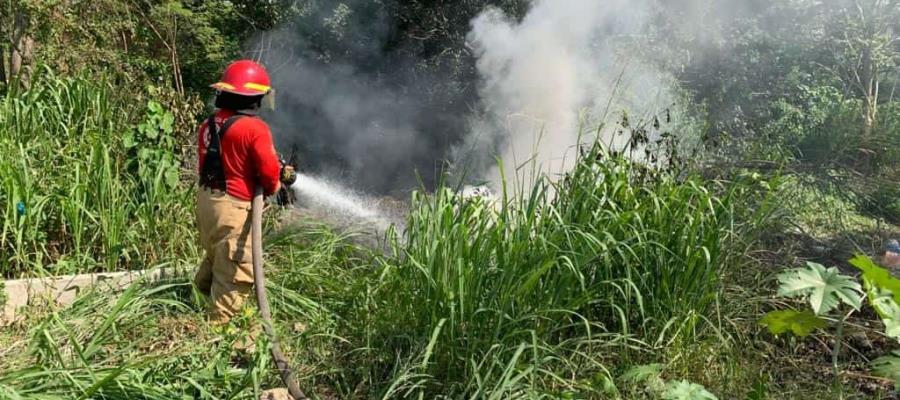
3,65
870,112
869,85
22,49
870,107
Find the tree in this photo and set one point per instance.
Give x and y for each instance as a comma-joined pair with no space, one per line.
861,37
18,44
2,64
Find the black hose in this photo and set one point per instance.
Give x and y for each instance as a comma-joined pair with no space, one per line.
284,369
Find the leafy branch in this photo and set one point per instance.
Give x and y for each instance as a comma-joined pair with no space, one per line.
826,290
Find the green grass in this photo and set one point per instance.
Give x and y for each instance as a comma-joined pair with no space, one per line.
138,345
543,296
73,198
502,303
552,292
151,341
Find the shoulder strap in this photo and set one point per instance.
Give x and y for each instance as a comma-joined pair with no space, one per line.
213,173
215,134
212,128
229,122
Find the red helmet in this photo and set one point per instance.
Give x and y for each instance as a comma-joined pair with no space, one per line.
244,77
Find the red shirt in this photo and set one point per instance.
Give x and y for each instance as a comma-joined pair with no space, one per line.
248,155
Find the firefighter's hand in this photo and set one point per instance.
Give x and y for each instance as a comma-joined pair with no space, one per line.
288,175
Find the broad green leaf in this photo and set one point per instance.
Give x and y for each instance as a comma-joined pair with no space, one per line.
888,367
799,323
166,123
877,276
883,292
824,288
605,383
143,128
152,133
172,177
128,140
685,390
642,373
887,308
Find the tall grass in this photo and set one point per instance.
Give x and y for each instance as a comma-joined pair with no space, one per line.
151,341
534,296
538,296
69,200
548,293
134,346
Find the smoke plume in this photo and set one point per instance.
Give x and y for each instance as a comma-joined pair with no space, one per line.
353,112
375,119
551,77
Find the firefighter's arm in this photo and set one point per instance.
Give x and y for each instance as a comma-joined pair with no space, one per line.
268,166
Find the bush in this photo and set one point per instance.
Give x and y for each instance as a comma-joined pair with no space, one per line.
84,189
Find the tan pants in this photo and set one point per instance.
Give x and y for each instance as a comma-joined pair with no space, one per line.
226,272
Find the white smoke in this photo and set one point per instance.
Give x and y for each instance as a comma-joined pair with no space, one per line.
384,121
553,77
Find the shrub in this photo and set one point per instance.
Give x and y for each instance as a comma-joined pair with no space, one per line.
82,188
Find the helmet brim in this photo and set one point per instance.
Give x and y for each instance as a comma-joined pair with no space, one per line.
245,91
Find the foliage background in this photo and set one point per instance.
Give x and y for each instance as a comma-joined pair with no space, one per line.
798,161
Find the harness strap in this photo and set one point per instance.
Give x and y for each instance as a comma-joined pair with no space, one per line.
213,174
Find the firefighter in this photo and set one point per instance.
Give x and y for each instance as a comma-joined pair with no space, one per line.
235,154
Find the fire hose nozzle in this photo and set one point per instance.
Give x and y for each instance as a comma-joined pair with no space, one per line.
287,176
288,173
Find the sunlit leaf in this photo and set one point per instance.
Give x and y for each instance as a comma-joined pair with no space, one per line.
877,276
128,140
800,323
824,288
887,308
172,177
642,373
152,133
154,107
684,390
166,123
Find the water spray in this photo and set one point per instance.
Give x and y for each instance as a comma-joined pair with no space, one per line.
322,194
341,205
